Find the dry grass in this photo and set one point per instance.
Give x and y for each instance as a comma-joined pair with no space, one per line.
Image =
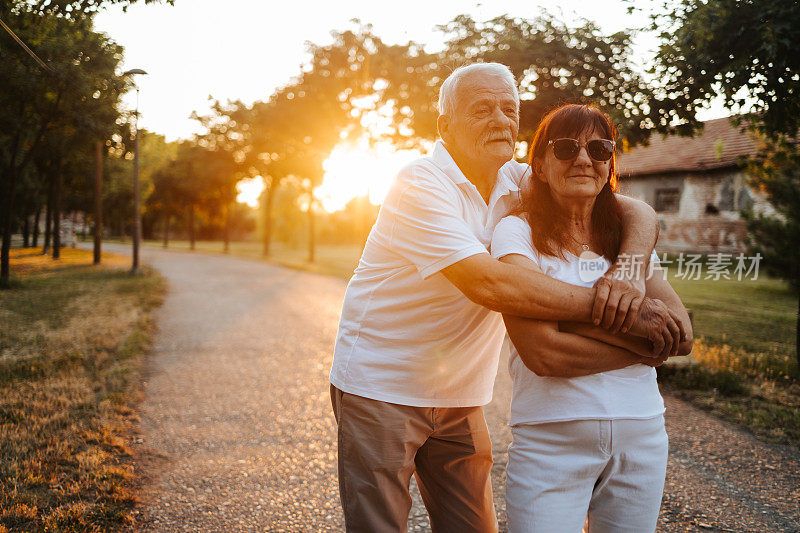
70,351
760,392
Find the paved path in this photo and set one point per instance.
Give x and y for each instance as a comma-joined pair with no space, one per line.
237,432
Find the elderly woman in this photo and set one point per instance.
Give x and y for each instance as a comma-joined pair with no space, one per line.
583,442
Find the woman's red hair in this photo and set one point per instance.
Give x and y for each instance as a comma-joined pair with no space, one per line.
549,228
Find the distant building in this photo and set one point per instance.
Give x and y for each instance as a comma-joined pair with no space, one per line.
696,185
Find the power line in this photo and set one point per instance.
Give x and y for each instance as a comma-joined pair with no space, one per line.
25,47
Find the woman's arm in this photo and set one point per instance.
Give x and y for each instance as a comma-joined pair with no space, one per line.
638,345
547,351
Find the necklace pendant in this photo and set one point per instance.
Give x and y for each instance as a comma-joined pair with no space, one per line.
585,247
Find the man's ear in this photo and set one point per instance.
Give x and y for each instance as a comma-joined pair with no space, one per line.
443,126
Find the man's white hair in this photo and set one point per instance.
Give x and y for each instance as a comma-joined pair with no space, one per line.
449,89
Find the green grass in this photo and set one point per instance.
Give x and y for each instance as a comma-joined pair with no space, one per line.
768,409
745,366
71,347
756,315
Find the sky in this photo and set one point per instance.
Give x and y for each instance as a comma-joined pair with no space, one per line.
245,49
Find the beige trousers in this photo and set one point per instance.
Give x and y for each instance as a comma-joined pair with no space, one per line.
381,445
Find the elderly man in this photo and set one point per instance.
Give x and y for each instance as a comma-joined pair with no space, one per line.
420,334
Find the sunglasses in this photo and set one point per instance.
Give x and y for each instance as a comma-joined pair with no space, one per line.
568,149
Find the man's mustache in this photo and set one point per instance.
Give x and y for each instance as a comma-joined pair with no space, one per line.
498,136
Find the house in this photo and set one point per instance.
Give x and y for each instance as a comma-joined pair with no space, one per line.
696,185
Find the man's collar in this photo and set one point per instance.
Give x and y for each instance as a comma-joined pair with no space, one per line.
508,178
442,159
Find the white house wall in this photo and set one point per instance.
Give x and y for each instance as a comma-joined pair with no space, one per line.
692,228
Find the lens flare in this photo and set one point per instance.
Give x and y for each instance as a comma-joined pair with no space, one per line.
360,170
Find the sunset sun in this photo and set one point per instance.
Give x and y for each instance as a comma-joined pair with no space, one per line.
350,172
353,171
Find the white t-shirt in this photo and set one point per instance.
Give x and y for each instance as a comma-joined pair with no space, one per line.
407,335
629,392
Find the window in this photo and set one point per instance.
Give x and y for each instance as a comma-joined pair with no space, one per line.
667,200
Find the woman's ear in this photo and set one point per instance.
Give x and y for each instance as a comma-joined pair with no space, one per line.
538,169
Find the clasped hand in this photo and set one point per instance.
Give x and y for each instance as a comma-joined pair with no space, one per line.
621,305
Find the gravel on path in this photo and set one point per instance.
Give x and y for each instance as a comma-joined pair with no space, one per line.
237,433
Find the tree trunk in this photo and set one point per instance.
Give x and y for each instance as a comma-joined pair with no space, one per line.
166,231
26,231
36,221
311,232
48,218
191,227
57,217
268,201
98,203
6,219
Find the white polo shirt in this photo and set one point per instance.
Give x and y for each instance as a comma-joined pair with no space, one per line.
407,335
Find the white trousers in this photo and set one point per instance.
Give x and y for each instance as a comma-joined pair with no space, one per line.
612,470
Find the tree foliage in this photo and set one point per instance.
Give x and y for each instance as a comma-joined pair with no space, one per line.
68,8
553,64
775,171
743,50
556,64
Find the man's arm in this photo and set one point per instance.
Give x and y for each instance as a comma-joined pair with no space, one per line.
621,291
511,289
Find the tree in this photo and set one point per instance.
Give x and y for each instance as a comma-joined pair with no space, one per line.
742,50
746,52
77,8
166,199
254,133
555,64
775,171
321,117
223,160
76,94
552,62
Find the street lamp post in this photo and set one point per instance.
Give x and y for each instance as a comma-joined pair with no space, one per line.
137,216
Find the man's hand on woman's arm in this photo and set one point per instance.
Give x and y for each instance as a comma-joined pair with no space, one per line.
548,351
620,292
663,295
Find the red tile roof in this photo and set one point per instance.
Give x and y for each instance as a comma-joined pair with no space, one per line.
718,145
